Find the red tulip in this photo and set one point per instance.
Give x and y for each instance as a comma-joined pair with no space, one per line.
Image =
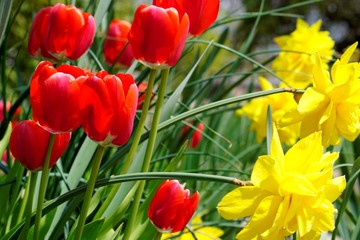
116,43
29,141
109,106
172,207
202,13
157,36
197,135
61,31
54,96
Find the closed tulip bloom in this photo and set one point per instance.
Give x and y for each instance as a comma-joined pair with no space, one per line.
202,13
54,96
61,31
109,105
172,207
115,44
157,36
29,142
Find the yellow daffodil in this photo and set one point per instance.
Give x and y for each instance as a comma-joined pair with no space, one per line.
332,104
294,65
291,192
281,103
199,230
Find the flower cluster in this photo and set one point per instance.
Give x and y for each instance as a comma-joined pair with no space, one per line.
294,64
81,108
332,104
257,109
292,193
64,97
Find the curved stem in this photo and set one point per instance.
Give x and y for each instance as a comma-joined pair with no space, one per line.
149,151
43,185
29,202
89,190
135,142
133,177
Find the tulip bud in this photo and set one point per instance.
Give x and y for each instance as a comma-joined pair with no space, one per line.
197,135
157,36
61,31
54,96
142,94
115,44
29,142
172,207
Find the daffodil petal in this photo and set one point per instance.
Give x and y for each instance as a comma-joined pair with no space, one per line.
241,202
262,219
305,152
334,189
267,174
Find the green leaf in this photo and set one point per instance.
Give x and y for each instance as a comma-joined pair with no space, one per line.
76,172
348,192
91,230
269,130
5,9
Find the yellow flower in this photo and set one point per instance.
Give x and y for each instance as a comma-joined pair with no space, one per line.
332,104
281,103
290,193
201,232
294,65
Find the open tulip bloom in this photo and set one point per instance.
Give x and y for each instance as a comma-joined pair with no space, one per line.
109,104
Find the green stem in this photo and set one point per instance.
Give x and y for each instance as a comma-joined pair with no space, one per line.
149,151
43,185
134,177
158,236
30,189
89,190
135,143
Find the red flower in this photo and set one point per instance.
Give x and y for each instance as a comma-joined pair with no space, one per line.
197,135
202,13
115,41
157,36
29,141
172,207
61,31
54,96
109,106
